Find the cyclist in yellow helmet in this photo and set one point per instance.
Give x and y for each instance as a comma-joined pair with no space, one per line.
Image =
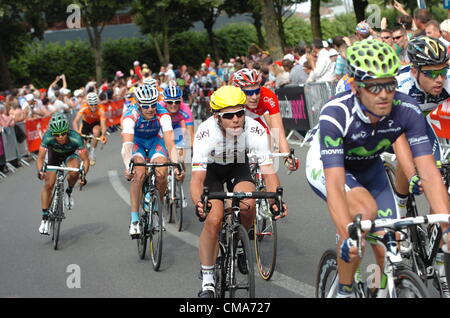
219,156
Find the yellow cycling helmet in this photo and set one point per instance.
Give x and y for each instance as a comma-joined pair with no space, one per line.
227,96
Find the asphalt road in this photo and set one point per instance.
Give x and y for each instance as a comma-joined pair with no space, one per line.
97,258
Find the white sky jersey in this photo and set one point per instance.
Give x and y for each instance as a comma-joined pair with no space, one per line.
210,146
408,84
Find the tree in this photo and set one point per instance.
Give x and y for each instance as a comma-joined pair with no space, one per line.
283,11
20,22
272,33
360,9
161,17
95,14
315,19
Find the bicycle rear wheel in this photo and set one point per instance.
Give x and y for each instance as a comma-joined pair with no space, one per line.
156,230
241,276
265,239
177,206
409,285
327,276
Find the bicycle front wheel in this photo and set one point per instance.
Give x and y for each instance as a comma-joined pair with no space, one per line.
156,231
142,240
177,206
327,276
241,276
56,220
265,239
409,285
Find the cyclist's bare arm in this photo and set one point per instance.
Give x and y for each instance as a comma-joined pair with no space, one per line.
276,126
336,199
170,145
41,158
404,156
272,182
75,122
196,185
83,154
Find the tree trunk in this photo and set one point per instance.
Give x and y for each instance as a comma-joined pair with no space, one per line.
166,48
158,49
5,75
272,34
360,8
257,22
315,19
208,23
95,38
278,6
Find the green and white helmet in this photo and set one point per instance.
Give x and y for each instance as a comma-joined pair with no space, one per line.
58,124
371,59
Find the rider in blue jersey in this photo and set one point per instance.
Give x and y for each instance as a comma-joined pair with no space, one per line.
428,83
147,136
343,164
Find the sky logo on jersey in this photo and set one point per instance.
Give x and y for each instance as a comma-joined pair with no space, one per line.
361,151
330,142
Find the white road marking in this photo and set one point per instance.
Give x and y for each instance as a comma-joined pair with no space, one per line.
278,279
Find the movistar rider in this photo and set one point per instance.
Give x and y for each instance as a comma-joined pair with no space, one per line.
343,164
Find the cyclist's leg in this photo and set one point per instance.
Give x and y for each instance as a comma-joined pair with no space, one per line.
73,161
50,179
159,154
138,155
96,131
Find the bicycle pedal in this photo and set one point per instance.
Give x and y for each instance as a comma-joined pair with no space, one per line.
135,236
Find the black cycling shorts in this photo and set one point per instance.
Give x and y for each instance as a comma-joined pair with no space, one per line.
231,174
87,128
56,159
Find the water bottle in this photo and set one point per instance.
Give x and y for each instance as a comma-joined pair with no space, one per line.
147,202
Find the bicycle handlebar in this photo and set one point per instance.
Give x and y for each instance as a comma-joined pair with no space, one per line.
154,164
355,229
206,196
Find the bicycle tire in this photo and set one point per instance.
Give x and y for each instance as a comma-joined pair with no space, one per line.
177,206
143,238
265,240
327,275
221,273
390,171
156,230
57,221
407,280
239,280
167,210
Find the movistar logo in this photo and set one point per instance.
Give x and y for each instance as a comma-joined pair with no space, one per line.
384,214
361,151
315,173
330,142
397,102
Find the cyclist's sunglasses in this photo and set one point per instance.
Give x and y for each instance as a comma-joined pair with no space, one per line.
147,106
435,73
60,134
376,88
230,115
250,92
171,102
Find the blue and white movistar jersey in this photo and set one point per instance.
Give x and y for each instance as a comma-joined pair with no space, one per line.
346,138
408,84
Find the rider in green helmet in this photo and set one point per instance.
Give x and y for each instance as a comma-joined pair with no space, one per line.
62,145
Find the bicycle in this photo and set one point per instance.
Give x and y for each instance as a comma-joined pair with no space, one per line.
232,275
173,199
151,220
89,138
420,250
265,226
400,280
56,210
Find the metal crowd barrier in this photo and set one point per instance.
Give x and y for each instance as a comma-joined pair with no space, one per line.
317,95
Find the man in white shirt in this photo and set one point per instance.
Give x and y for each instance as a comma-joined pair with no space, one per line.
322,71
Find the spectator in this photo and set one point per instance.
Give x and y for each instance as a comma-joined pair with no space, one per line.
433,29
407,23
445,31
5,119
170,73
362,31
333,57
300,54
401,44
280,75
421,17
322,71
58,104
297,74
386,37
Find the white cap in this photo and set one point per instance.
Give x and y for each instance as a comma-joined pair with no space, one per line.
289,57
29,97
136,63
333,52
64,91
77,92
445,25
